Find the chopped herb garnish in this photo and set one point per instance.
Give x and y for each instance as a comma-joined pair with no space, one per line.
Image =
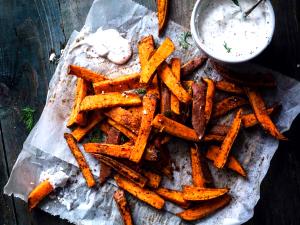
27,114
183,40
236,2
123,138
140,91
96,136
226,47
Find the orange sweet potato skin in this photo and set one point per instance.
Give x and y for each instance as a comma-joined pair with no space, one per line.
39,193
175,104
173,196
192,65
227,86
120,151
122,204
153,178
226,105
210,94
86,74
162,11
193,193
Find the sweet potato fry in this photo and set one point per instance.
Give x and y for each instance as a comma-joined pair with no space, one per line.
232,162
80,132
86,74
123,207
165,100
84,167
210,94
137,112
213,137
119,84
174,128
124,117
229,140
187,84
166,48
259,108
143,194
162,11
254,79
200,171
219,129
123,129
192,65
104,127
39,193
228,104
192,193
151,153
198,109
175,104
204,208
77,117
173,196
119,151
149,107
107,100
229,87
122,169
153,178
166,75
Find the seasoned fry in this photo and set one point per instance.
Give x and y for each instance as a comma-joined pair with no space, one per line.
80,132
39,193
119,151
219,129
86,74
124,117
123,129
165,100
175,104
187,84
259,108
173,196
143,194
153,178
227,86
77,117
213,137
149,107
166,48
166,75
221,159
162,11
174,128
84,167
151,153
232,163
192,65
119,84
137,112
107,100
210,94
204,208
198,109
192,193
123,207
122,169
228,104
200,171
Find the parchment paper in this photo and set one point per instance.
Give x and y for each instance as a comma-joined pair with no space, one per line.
45,147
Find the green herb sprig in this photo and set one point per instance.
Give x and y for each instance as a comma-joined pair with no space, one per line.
96,136
226,47
27,115
183,40
140,91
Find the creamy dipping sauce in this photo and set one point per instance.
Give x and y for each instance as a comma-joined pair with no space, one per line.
227,35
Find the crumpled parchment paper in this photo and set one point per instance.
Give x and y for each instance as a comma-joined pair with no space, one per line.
45,147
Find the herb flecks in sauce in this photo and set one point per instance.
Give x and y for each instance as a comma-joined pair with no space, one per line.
226,47
183,40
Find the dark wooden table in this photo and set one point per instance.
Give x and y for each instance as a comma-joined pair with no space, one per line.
31,30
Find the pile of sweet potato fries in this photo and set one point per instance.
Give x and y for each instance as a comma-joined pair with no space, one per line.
166,105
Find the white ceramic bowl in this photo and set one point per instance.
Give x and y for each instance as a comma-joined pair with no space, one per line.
214,54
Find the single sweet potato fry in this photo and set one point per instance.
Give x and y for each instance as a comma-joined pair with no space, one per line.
213,138
166,75
123,207
149,107
84,167
119,84
153,178
86,74
143,194
137,112
119,151
39,193
229,87
228,104
198,109
80,132
151,153
123,129
162,11
259,108
123,169
204,208
175,66
165,100
173,196
174,128
219,129
107,100
229,140
192,193
192,65
164,50
210,94
77,117
232,162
